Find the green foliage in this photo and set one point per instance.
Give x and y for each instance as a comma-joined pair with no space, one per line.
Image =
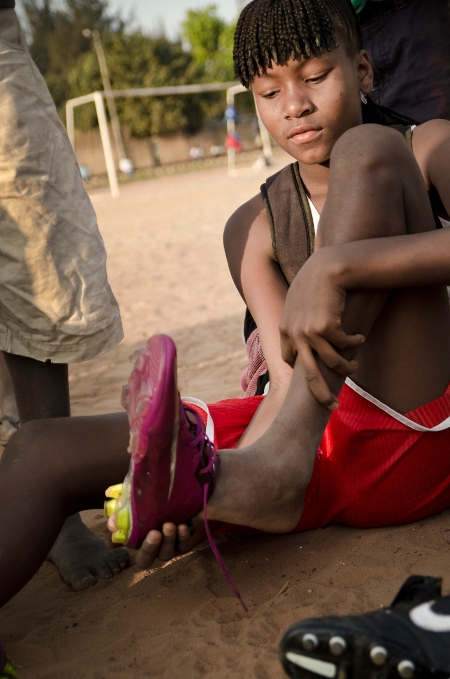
211,42
136,60
70,67
56,40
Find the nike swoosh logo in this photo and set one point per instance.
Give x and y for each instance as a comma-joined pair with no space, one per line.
424,617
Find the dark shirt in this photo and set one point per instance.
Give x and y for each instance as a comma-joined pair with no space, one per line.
7,3
409,45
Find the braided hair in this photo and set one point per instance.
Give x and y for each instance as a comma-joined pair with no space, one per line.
278,30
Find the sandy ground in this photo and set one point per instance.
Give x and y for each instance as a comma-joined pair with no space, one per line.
180,620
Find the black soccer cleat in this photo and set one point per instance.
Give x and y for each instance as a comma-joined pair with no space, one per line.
408,640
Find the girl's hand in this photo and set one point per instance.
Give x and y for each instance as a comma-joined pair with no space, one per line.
170,542
311,325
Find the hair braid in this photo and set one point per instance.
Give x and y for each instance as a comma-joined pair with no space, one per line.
275,30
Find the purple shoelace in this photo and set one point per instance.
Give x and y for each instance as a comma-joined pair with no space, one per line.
207,453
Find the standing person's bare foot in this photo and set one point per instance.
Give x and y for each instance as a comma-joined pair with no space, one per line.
9,416
82,558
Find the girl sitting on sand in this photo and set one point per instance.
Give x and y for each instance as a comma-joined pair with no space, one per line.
379,264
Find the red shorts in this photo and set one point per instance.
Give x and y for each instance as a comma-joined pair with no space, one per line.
373,467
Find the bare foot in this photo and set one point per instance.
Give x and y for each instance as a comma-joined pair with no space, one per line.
263,485
258,490
82,558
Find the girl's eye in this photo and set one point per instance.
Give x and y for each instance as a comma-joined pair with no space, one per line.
269,95
317,78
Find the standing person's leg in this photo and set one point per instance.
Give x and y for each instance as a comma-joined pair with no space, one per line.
376,189
41,389
8,408
55,301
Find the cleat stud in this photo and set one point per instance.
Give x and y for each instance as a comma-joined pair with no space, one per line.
110,507
406,669
310,642
337,645
114,491
123,519
119,537
378,655
315,666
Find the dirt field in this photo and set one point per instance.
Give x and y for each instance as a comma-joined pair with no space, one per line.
181,621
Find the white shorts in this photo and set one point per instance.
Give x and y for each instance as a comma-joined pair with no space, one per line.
55,300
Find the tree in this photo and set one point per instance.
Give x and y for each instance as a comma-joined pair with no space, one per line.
56,40
137,60
70,67
211,42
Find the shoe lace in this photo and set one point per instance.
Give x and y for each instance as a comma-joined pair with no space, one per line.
206,453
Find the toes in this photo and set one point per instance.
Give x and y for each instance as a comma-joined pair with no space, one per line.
106,569
122,557
81,581
112,563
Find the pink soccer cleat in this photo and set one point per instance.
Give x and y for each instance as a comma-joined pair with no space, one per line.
173,461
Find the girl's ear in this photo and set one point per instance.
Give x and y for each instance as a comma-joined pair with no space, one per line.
365,72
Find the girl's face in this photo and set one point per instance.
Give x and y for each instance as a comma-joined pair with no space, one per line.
308,104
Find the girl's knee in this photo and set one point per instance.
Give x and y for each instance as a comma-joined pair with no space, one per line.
371,149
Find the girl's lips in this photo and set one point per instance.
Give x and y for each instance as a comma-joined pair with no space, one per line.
305,137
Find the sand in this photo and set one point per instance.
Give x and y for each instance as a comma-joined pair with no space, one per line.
180,620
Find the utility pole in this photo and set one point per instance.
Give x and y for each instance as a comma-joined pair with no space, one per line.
125,163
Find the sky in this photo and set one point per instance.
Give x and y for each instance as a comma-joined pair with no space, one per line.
150,14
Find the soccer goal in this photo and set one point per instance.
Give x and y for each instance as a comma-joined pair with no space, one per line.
98,98
231,118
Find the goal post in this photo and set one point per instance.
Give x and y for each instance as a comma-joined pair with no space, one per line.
231,127
99,100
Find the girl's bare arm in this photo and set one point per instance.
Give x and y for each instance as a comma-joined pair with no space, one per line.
263,287
316,301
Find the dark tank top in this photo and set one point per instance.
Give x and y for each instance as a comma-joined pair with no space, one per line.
292,226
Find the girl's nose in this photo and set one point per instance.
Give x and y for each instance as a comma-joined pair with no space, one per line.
298,104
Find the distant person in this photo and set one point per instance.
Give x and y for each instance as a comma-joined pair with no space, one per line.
409,46
56,306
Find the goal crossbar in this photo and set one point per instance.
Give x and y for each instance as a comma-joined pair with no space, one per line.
98,98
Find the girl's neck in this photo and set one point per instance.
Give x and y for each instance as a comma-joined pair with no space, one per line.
315,179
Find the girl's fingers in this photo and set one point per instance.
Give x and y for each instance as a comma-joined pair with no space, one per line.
343,341
315,379
333,358
112,523
167,549
288,350
185,542
148,551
